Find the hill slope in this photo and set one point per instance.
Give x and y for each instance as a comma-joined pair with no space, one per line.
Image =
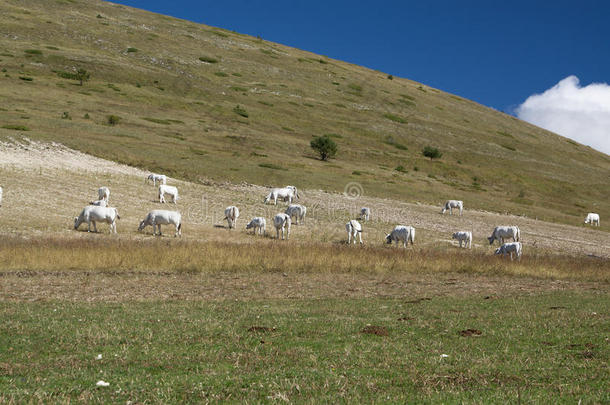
182,92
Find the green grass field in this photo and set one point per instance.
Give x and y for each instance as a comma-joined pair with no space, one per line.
543,348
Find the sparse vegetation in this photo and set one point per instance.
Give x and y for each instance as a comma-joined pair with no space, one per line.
26,78
395,118
16,127
221,74
208,59
132,50
33,52
324,146
270,166
240,111
401,169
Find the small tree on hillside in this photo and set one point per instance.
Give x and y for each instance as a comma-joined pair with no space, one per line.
326,147
82,75
432,153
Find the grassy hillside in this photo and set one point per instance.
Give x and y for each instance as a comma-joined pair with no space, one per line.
199,103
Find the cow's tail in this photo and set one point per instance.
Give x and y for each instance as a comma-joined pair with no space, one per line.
518,234
180,227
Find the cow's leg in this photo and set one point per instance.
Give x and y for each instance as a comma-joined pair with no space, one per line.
94,226
359,237
88,226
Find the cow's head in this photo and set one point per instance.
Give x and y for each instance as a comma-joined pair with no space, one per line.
388,239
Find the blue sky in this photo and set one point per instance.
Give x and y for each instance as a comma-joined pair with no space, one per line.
494,52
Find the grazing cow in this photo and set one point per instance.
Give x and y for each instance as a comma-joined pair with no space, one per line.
258,224
353,229
402,233
282,221
231,215
451,204
504,232
298,211
99,203
0,196
287,193
463,236
510,248
365,213
171,190
592,218
161,178
92,213
103,193
156,218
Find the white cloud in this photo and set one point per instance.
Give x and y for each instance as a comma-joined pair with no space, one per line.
579,113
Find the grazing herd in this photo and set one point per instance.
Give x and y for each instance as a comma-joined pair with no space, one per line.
100,211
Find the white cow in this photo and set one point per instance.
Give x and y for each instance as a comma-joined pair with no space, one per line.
592,218
504,232
231,215
99,203
161,178
365,213
401,233
287,193
171,190
92,213
103,193
258,224
0,196
510,248
282,221
451,204
156,218
353,229
298,211
463,236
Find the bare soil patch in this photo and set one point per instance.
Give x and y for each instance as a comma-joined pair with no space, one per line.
470,332
375,330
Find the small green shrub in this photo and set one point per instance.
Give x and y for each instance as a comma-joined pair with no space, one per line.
240,111
390,77
221,74
86,116
431,152
66,116
401,169
237,88
236,74
288,129
26,78
415,168
357,173
336,83
53,48
355,87
325,146
131,50
113,119
113,87
33,51
16,127
208,59
509,147
265,103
